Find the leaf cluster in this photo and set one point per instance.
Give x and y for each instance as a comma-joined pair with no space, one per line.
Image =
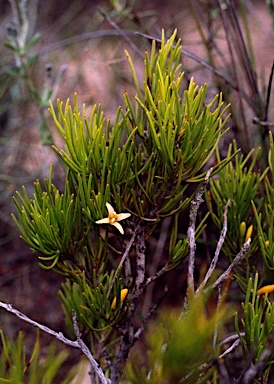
251,209
257,321
180,346
264,213
143,161
17,367
238,182
46,220
92,302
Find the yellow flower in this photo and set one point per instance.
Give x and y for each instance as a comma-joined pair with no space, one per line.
266,288
122,298
113,218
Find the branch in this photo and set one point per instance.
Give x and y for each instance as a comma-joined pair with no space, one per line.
59,336
195,204
231,337
209,365
254,369
149,280
128,248
240,256
73,40
127,340
96,367
257,121
217,252
140,261
121,33
230,349
149,315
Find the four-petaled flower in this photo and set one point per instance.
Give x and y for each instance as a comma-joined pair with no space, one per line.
113,218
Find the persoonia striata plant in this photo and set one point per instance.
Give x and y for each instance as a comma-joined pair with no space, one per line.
123,178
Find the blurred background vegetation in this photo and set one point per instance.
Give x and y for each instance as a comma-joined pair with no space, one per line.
51,49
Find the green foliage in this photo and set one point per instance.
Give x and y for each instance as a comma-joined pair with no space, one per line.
167,139
257,321
92,302
180,346
50,230
239,183
17,367
142,162
264,215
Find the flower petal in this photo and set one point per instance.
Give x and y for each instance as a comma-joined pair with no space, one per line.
266,288
110,209
103,221
123,216
119,227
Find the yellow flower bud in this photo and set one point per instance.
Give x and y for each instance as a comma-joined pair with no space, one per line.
86,308
266,288
267,243
249,233
124,292
242,228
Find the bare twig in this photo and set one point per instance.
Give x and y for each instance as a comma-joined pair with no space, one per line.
73,40
79,343
263,123
140,261
158,256
200,368
121,33
240,256
96,367
128,339
129,336
83,37
208,365
231,337
58,335
217,252
230,349
125,255
255,369
149,315
219,303
195,204
150,279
